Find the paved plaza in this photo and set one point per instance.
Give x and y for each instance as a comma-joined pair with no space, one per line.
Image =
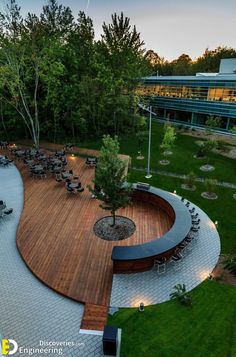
31,312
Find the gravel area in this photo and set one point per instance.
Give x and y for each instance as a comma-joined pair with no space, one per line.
123,228
207,168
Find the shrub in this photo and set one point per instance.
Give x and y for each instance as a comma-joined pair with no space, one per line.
181,295
230,264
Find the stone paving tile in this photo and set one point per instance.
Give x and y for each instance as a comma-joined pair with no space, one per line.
152,288
30,311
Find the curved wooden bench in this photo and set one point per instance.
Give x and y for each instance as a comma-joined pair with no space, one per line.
137,258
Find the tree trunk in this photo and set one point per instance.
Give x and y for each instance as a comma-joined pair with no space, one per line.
114,218
3,124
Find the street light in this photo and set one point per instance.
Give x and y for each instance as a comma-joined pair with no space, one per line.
149,110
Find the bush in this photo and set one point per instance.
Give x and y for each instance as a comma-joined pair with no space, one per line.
181,295
230,264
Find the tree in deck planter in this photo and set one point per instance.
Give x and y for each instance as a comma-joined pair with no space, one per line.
110,178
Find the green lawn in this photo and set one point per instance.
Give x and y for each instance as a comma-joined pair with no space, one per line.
182,160
207,329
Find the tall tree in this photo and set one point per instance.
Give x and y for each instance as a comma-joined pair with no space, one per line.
110,178
182,66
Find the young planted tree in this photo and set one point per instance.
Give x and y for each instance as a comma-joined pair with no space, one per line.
212,123
210,185
190,180
168,140
110,178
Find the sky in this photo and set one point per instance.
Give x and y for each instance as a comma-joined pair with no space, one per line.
169,27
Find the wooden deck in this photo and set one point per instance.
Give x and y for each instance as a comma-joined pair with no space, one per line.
94,317
56,240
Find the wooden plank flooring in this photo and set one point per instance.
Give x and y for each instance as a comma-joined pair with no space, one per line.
94,317
56,240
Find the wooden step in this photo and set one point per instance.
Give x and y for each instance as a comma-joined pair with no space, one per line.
95,317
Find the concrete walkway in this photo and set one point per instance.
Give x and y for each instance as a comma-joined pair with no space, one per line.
31,312
182,176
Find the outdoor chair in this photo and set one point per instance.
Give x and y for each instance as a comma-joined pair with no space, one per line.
8,211
160,265
176,259
80,189
183,247
91,161
70,190
196,223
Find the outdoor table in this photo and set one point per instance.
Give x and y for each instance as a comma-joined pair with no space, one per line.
57,168
29,162
42,157
74,185
37,168
55,161
20,152
66,175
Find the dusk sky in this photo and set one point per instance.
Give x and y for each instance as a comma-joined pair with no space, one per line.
169,27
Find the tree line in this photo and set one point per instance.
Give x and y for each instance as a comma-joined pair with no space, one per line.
209,62
58,82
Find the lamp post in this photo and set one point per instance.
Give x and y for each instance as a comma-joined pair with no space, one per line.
148,176
149,110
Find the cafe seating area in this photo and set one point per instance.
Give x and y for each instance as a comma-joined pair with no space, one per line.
40,165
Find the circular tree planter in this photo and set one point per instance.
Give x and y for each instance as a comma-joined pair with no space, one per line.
123,228
187,187
209,196
234,196
164,162
207,168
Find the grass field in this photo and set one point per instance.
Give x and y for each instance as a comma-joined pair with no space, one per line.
182,161
208,328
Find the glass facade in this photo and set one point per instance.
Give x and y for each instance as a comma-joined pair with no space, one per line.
191,100
189,92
